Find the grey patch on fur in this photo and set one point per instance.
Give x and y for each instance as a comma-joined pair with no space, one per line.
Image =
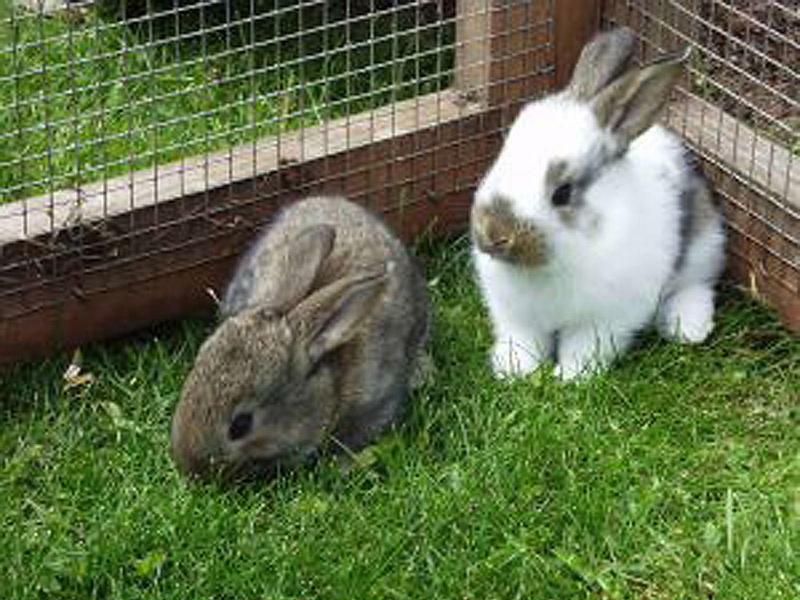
556,175
686,200
698,210
581,176
497,231
554,345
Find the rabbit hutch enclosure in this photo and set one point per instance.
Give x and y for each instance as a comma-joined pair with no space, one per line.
144,143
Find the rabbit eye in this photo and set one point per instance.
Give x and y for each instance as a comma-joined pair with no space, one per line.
562,195
240,426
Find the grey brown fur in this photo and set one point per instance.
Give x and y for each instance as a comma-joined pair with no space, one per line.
323,325
698,211
497,232
602,60
631,103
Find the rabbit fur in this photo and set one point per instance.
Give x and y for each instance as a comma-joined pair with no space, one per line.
593,222
321,329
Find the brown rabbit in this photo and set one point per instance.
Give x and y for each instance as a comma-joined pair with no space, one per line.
322,326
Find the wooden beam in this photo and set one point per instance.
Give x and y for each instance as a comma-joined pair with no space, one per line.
575,21
715,133
157,262
473,49
149,187
763,249
504,52
523,57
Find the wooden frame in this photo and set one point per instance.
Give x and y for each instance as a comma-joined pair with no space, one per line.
155,242
757,180
160,239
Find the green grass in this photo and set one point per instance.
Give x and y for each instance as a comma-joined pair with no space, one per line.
80,101
674,476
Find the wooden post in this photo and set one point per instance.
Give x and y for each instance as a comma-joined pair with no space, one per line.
576,21
504,52
473,52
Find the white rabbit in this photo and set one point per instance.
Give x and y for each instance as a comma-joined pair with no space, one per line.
593,221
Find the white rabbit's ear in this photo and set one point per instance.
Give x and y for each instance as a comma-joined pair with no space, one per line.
607,56
298,262
631,104
330,316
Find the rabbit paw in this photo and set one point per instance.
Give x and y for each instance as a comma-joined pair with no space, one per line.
512,359
573,371
586,351
688,315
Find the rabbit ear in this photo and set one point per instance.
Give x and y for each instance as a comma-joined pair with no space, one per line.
330,317
632,103
298,262
602,60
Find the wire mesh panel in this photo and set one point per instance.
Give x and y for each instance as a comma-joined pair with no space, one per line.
739,108
144,143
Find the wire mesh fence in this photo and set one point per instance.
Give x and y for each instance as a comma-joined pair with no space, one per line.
739,109
143,143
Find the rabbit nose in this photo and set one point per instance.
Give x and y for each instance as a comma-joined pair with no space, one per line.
192,464
498,232
190,457
493,233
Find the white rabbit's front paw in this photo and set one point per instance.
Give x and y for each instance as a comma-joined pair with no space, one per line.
572,371
512,359
688,316
587,351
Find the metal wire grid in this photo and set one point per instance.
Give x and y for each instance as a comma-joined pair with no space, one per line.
739,109
72,227
132,50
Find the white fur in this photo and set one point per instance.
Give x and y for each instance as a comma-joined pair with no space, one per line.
608,274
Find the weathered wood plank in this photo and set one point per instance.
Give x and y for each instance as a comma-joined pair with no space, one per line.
758,182
473,48
40,215
161,267
575,21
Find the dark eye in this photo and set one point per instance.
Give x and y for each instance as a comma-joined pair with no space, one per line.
240,426
562,195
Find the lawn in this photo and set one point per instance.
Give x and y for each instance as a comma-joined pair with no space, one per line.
674,476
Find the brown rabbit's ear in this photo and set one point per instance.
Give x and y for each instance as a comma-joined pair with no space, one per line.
330,317
607,56
299,261
632,103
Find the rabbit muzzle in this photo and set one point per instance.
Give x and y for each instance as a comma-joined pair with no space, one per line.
500,234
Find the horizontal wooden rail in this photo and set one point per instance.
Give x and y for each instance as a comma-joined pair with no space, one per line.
161,184
417,165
